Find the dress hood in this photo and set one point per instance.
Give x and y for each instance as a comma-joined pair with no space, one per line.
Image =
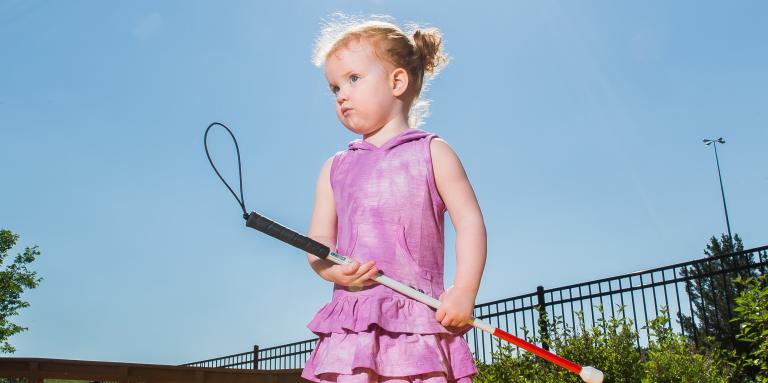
406,136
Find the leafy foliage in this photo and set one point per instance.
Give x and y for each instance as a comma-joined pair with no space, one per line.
726,335
14,279
611,347
671,358
752,317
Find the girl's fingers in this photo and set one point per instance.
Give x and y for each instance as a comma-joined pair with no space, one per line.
364,270
365,278
370,275
372,272
440,315
350,269
449,320
359,275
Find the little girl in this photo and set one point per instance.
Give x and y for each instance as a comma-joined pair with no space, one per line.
382,203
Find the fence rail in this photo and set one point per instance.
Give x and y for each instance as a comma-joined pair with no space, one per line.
686,290
39,370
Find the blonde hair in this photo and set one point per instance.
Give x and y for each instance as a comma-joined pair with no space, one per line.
418,51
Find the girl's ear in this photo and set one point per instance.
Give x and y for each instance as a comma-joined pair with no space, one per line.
399,81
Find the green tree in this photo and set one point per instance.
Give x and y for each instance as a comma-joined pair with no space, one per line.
15,278
713,292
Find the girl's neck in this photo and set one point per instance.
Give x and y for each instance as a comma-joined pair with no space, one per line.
392,128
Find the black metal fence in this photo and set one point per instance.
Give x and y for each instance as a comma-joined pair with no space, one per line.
687,290
283,357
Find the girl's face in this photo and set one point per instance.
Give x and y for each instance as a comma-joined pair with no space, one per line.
360,82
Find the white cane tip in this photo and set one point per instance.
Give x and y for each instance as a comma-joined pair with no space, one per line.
591,375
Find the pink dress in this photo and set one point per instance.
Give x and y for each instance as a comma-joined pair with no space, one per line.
388,210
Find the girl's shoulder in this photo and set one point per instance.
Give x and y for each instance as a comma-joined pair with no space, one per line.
330,162
446,165
440,150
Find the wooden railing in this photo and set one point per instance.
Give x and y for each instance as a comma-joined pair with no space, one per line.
35,370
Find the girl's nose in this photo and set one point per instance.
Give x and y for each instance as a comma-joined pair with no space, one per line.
341,96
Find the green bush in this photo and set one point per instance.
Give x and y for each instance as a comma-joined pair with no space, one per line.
611,347
671,358
751,314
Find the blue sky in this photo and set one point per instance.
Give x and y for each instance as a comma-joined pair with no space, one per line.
579,124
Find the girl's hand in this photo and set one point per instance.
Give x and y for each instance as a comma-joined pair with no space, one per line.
354,274
455,308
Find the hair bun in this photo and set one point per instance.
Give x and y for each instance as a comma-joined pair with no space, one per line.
428,44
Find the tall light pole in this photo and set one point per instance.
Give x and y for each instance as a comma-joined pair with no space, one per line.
714,143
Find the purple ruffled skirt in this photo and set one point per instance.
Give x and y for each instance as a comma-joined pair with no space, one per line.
368,336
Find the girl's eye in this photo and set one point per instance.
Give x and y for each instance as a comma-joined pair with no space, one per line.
354,78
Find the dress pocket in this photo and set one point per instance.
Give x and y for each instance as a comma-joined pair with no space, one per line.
387,244
346,246
419,271
402,244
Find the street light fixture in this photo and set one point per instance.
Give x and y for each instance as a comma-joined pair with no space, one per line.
714,143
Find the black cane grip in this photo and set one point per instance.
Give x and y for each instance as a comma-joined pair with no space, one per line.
276,230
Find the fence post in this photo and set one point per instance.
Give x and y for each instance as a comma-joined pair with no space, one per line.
543,322
255,356
123,371
32,373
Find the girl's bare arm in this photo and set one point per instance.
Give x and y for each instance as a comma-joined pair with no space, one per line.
460,201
